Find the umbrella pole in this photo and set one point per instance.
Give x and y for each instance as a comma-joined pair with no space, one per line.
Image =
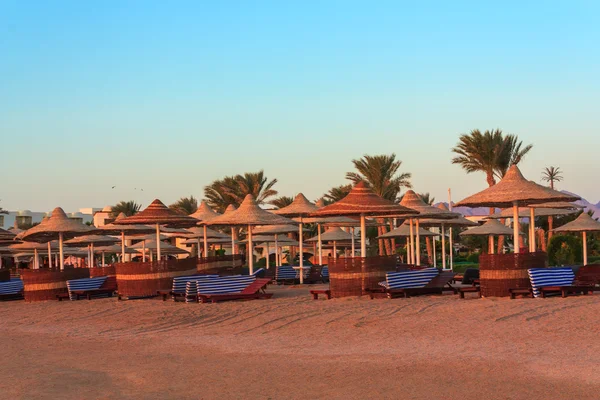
334,250
36,262
267,255
516,227
353,245
157,243
451,249
198,247
443,247
418,244
49,256
232,241
276,251
60,249
250,261
408,256
205,241
144,251
92,250
584,248
491,244
434,255
320,243
300,227
363,236
412,242
103,263
123,246
532,229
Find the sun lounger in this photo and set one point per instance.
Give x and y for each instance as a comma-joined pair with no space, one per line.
179,287
545,281
232,288
407,283
90,287
11,290
286,274
325,273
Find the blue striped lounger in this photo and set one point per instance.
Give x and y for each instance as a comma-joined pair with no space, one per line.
546,277
84,284
409,279
11,289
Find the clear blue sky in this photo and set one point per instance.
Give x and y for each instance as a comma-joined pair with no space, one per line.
168,96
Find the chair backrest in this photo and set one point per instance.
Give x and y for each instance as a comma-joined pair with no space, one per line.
470,275
410,279
285,272
13,286
224,284
325,271
544,277
180,282
260,273
85,284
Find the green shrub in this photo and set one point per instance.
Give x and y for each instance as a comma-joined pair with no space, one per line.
564,250
473,258
462,266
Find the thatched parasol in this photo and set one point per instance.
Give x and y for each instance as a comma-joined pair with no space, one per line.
490,228
584,223
204,214
116,228
299,208
158,214
160,247
90,241
57,226
363,202
414,202
28,246
526,212
514,191
276,230
335,235
250,214
404,231
115,248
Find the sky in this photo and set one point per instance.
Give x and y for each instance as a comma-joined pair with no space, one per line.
169,96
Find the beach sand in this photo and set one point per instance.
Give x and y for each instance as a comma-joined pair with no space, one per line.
292,347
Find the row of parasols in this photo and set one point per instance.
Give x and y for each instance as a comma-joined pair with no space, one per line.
359,208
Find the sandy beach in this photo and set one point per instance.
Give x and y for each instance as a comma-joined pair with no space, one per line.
292,347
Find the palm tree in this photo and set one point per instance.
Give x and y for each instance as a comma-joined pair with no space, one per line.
185,205
336,193
381,174
3,211
233,189
128,208
551,175
282,201
427,198
490,152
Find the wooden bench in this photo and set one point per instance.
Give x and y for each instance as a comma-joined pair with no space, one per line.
469,289
514,292
316,293
62,296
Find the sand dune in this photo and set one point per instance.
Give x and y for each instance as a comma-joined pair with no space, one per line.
292,347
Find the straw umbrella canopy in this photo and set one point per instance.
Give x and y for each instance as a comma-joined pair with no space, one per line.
299,208
57,226
525,213
277,230
335,235
204,214
363,202
514,191
250,214
490,228
24,247
158,214
115,248
90,241
4,234
154,247
116,228
560,204
414,202
404,231
584,224
203,232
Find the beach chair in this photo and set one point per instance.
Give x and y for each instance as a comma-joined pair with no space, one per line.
91,287
286,274
546,281
180,287
11,289
325,274
260,273
232,288
412,283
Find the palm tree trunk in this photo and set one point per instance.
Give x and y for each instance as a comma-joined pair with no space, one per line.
501,239
381,246
550,227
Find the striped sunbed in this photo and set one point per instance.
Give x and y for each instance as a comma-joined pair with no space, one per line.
547,277
224,284
11,289
409,279
325,272
84,284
